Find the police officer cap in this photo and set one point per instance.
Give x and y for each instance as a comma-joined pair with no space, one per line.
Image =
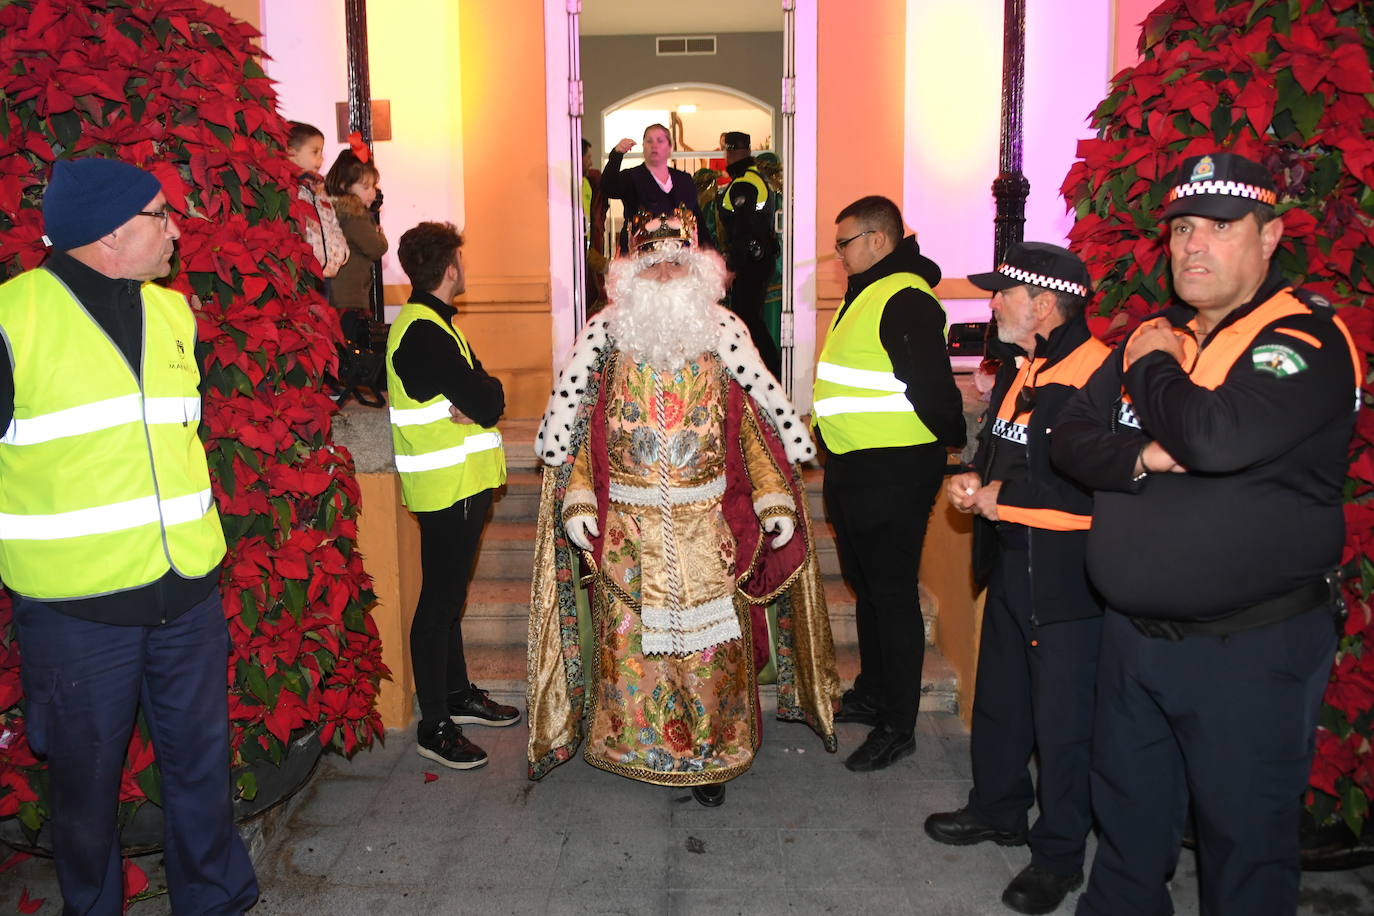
1037,264
90,198
1219,186
734,139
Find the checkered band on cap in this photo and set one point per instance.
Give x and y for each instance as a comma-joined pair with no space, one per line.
1228,188
1042,281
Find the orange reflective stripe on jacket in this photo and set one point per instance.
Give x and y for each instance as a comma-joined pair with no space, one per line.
1072,371
1214,362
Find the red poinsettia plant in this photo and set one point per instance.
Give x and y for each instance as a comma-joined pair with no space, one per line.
177,87
1287,83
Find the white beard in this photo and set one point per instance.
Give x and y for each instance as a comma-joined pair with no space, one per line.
665,324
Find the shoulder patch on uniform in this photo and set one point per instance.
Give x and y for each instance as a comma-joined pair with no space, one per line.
1312,300
1277,360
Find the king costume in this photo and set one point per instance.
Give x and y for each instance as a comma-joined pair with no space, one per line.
675,467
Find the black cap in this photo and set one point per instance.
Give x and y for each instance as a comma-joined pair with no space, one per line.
1220,186
1038,264
734,139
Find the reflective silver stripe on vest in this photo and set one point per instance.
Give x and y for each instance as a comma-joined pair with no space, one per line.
859,378
419,416
132,513
448,457
891,403
628,494
107,414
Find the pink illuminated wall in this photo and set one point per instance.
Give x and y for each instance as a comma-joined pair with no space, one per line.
953,91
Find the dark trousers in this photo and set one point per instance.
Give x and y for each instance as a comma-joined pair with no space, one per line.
84,683
1033,697
880,527
448,550
747,293
1229,721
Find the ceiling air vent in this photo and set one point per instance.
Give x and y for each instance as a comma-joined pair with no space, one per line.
683,45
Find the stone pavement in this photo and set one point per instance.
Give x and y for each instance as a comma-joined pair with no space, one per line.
797,834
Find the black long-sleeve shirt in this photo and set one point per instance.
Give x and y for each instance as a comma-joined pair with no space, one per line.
912,331
117,307
639,191
429,362
1258,514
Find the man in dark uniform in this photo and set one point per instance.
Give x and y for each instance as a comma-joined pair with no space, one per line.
886,408
1038,656
1216,440
747,211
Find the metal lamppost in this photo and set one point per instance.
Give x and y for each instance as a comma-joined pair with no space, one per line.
1010,189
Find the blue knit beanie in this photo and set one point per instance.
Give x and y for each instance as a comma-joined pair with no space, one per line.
89,198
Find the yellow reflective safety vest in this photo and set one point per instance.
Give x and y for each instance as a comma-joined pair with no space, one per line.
440,462
858,402
104,485
587,208
751,176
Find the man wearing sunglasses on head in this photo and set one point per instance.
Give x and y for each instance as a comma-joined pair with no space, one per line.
1038,653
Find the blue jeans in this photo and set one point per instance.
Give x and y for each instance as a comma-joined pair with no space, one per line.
84,683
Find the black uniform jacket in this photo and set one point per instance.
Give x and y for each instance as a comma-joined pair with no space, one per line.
1258,514
1059,579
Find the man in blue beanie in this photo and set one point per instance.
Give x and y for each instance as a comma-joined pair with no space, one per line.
110,541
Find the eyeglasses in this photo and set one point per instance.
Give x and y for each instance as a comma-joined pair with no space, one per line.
164,214
841,244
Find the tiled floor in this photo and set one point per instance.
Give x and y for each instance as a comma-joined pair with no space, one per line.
797,834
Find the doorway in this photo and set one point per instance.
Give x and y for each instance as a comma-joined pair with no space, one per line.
778,89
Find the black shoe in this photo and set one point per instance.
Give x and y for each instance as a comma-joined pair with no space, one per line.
855,707
474,707
1035,890
445,745
962,828
712,796
880,749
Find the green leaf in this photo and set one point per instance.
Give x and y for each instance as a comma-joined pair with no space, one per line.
66,128
248,785
293,596
257,683
150,781
30,816
249,613
1354,806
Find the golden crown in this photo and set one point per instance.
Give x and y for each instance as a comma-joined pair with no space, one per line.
655,231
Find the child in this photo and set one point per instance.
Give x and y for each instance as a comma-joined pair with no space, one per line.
352,186
305,149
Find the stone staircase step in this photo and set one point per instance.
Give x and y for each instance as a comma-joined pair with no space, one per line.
518,500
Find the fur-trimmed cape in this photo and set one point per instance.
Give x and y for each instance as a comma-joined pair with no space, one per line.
560,626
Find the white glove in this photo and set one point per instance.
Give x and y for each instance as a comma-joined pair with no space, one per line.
783,526
581,529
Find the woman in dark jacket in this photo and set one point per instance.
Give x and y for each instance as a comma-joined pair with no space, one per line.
654,187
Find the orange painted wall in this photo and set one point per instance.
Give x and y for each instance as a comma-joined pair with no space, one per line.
505,312
861,88
250,11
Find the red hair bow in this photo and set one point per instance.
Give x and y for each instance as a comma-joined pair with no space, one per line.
360,149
